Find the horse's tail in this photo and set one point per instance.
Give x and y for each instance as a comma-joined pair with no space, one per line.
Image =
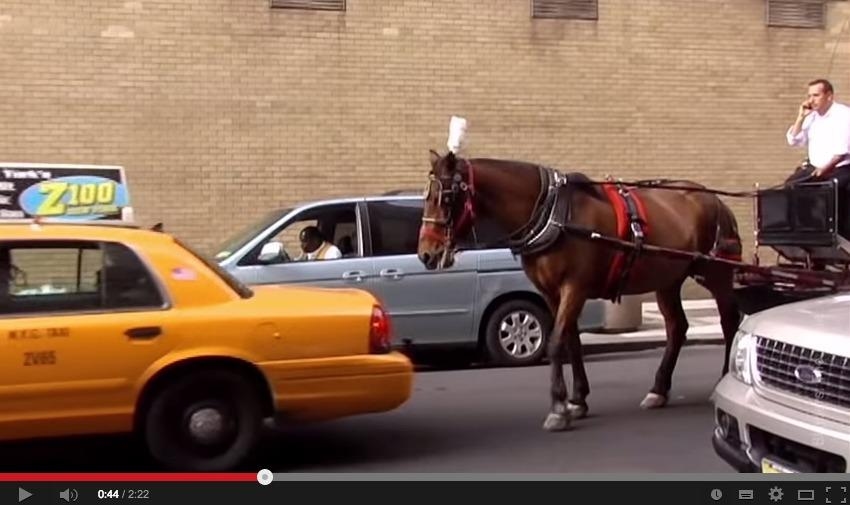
727,242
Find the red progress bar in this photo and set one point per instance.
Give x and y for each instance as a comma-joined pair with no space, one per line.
128,477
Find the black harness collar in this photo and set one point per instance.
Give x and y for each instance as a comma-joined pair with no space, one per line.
551,212
551,217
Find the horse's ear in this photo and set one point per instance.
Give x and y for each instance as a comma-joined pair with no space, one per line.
434,157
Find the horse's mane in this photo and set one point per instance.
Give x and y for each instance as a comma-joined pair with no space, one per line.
583,183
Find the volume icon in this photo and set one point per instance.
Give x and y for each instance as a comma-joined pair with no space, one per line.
69,495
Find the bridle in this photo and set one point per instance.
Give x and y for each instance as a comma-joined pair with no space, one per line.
448,201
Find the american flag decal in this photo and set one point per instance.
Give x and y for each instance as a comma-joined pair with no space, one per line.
183,274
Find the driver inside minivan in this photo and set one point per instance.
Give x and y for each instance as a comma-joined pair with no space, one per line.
314,246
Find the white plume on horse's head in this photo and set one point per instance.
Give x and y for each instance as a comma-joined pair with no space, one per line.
457,134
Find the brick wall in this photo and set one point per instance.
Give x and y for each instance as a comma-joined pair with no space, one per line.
220,109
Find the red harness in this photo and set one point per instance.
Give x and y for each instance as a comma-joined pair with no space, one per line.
618,202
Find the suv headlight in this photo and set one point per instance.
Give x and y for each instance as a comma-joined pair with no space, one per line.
741,357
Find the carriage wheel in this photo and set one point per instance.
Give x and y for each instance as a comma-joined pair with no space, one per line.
516,333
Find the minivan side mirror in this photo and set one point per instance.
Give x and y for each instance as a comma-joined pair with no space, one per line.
272,252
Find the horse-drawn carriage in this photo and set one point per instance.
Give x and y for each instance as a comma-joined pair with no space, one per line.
808,226
582,239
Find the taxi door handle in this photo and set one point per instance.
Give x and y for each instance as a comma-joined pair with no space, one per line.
144,332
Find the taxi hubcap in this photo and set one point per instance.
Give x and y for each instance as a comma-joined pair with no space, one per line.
206,425
520,334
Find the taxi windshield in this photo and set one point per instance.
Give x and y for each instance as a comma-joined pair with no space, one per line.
243,236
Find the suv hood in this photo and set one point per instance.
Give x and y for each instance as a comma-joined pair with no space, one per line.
821,324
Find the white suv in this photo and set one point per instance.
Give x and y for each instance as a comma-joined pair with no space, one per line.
784,406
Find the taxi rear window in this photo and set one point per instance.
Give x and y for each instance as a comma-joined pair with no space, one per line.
74,276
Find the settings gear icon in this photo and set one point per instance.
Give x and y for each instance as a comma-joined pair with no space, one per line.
775,494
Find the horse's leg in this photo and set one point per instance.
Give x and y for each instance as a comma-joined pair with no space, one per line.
720,284
676,324
577,404
569,308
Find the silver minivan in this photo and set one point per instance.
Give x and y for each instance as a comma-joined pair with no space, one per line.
484,301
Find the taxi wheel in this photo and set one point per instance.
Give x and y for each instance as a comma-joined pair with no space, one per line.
516,333
206,421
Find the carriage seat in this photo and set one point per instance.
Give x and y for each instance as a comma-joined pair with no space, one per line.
808,219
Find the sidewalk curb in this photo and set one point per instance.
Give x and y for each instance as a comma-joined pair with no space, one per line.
624,345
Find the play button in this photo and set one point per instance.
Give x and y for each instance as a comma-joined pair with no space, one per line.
23,494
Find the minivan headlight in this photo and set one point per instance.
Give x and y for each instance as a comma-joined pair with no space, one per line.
741,357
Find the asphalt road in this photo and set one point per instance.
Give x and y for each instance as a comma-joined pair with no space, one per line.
479,420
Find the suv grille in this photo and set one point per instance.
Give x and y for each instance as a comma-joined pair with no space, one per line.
777,362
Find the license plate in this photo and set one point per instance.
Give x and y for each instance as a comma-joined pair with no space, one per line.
768,466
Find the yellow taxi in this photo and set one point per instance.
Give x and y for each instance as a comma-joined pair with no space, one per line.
106,327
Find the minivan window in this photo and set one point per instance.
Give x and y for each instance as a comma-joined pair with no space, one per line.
394,226
245,235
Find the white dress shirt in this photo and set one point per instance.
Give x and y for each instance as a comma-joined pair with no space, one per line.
826,136
326,251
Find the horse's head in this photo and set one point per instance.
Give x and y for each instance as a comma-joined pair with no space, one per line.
448,211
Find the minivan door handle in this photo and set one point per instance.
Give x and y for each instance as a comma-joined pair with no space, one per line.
144,332
392,273
354,275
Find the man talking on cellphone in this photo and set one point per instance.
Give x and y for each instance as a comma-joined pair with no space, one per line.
823,125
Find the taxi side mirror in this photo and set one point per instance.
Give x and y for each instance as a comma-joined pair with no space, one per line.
271,252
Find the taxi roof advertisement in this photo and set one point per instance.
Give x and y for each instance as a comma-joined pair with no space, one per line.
62,192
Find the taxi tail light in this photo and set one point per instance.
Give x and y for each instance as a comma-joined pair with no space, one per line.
380,331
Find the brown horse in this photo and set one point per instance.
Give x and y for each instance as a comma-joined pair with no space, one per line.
539,209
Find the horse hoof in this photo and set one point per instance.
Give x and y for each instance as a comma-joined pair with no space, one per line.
556,422
653,401
577,411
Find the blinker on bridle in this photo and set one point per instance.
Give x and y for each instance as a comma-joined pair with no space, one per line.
448,199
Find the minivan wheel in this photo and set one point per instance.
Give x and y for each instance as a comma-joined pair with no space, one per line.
208,421
517,332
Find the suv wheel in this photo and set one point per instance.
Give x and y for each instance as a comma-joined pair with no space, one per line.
206,421
516,333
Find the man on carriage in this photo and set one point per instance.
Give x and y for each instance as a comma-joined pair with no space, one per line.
823,126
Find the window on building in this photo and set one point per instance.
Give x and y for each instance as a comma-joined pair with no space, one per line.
796,13
565,9
320,5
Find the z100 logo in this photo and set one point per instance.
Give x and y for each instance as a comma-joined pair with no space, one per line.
81,196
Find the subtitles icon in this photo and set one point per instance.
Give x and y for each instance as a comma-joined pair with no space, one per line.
746,494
